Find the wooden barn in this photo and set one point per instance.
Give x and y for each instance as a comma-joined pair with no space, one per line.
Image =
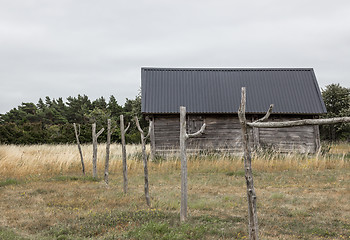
212,95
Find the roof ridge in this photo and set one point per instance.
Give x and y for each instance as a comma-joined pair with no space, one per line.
223,69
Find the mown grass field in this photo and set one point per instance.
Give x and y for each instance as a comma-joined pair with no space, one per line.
43,195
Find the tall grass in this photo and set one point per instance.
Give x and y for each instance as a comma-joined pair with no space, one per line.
43,195
49,160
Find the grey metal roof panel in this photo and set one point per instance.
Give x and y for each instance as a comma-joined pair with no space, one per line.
217,90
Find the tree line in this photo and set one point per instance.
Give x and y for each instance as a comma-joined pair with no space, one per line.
50,121
337,101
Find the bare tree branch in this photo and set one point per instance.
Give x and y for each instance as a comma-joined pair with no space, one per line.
299,122
149,129
100,132
200,132
138,124
126,129
267,115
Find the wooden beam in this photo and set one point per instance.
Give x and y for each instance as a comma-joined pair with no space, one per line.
299,122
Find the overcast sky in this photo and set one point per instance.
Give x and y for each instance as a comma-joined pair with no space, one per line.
68,47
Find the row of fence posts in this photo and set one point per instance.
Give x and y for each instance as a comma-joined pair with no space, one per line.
251,196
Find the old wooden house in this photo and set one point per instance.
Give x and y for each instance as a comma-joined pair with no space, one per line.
212,95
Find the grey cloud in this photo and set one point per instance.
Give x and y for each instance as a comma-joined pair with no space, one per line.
63,48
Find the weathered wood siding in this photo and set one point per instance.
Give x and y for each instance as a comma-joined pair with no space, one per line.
224,133
300,139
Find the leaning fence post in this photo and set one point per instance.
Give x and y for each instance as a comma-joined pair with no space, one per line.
144,156
79,148
125,167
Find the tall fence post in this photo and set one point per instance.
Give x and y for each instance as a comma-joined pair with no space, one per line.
260,123
251,196
183,137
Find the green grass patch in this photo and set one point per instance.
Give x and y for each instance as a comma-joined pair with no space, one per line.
9,181
239,173
148,224
67,178
10,235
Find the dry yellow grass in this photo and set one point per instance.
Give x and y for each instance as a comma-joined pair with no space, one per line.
21,161
50,160
299,196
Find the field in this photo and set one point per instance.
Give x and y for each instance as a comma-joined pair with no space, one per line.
43,195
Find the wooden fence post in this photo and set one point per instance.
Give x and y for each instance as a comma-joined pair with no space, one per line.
107,150
108,144
144,157
94,149
79,148
253,217
183,208
125,167
183,137
251,196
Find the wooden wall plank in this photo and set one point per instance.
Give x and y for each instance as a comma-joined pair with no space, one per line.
223,132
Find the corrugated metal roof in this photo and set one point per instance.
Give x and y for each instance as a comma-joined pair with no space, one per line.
218,90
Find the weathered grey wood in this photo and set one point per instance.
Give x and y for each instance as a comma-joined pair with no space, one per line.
108,144
152,139
94,149
317,138
299,122
79,148
183,137
256,137
267,115
222,129
144,156
125,167
251,196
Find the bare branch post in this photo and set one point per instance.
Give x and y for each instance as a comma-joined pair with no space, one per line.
144,156
253,217
79,148
94,149
109,134
125,167
251,196
183,137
